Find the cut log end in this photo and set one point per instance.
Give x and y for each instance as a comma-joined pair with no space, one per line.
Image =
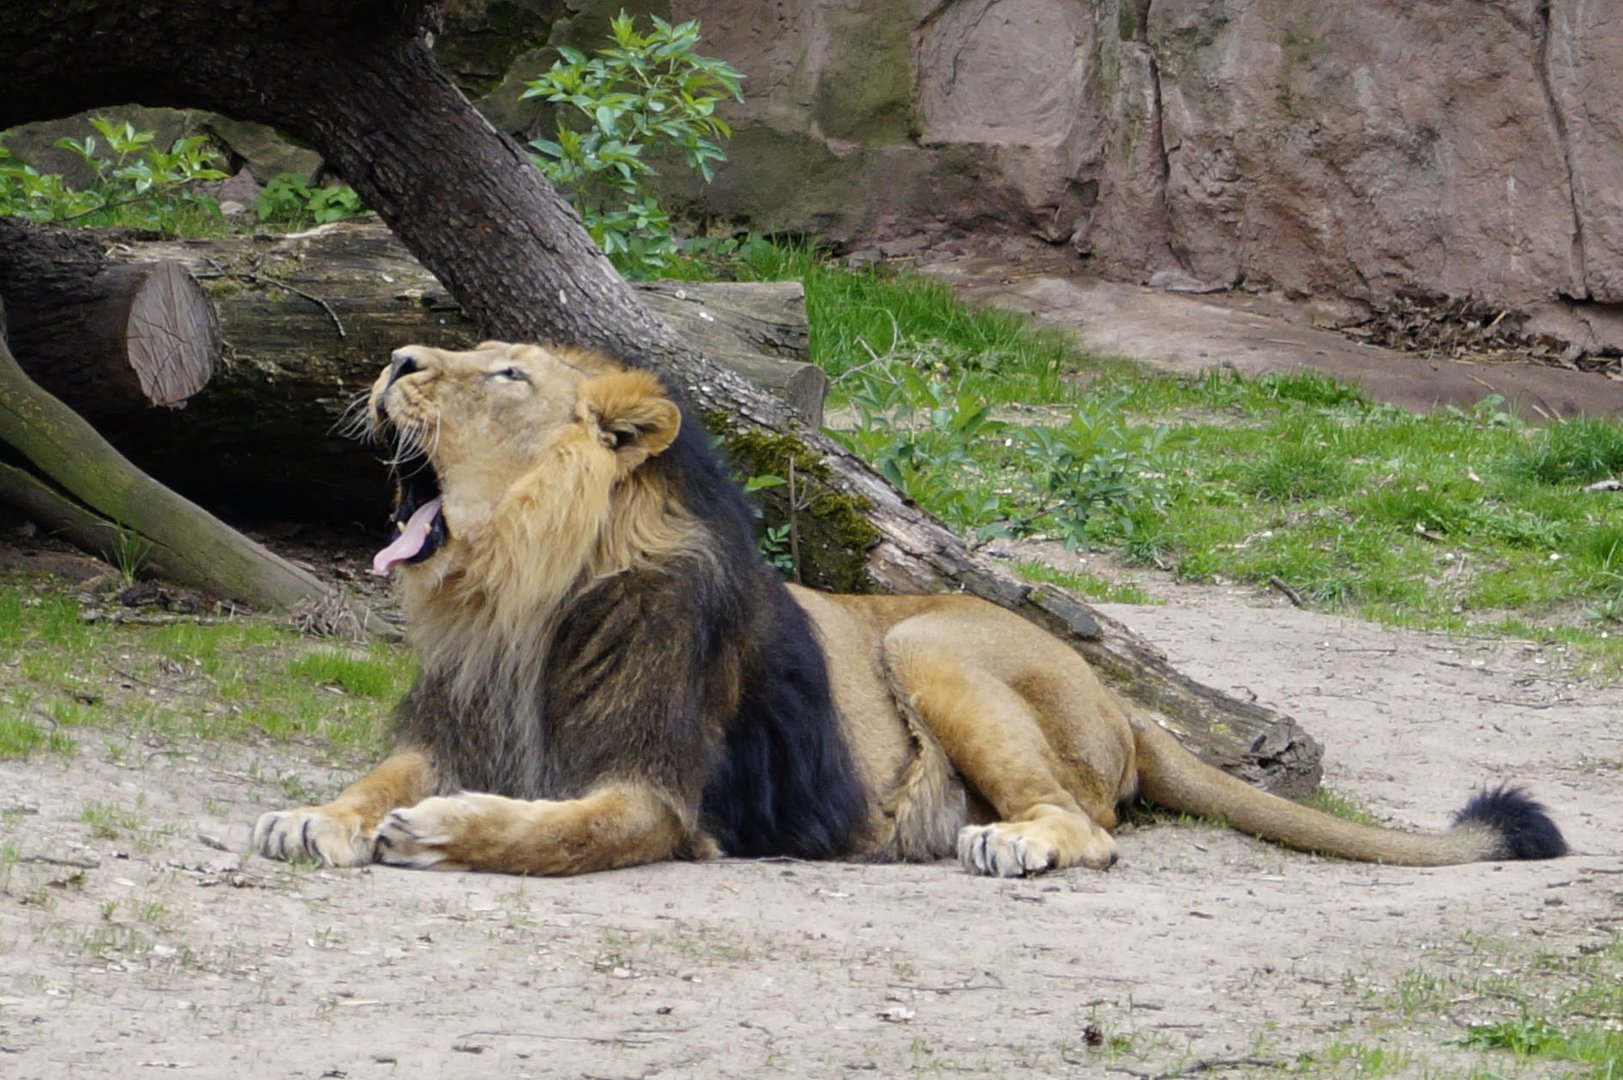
171,333
111,337
158,332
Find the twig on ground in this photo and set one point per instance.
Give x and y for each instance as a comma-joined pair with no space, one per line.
52,860
1206,1065
1290,594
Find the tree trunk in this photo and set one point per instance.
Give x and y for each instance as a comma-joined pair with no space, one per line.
306,322
755,329
114,337
358,82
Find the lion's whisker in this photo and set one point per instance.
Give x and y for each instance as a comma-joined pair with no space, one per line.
355,422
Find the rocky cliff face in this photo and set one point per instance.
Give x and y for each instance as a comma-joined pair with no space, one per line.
1312,147
1307,146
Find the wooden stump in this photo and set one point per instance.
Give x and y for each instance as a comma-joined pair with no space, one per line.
110,337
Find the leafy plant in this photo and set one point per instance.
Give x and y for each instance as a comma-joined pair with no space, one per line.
937,440
130,554
775,543
133,181
288,200
649,95
1096,474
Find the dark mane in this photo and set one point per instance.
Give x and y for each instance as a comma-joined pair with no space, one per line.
700,676
785,783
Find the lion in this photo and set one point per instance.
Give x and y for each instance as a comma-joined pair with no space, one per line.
612,675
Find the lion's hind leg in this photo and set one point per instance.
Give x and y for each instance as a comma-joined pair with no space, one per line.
952,678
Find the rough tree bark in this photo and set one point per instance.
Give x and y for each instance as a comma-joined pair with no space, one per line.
358,82
304,320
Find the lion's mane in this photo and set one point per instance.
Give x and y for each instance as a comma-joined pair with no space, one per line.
616,620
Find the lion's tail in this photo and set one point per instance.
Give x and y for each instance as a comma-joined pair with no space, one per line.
1502,823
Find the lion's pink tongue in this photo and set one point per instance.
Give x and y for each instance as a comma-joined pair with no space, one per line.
410,540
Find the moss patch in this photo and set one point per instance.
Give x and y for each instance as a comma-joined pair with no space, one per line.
866,95
834,530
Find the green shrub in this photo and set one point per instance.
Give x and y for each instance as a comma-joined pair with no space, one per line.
933,435
288,200
649,96
134,182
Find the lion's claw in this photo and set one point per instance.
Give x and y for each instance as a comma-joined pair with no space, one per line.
998,851
311,833
1019,849
420,837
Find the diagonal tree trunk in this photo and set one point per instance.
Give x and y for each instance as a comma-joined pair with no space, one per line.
359,83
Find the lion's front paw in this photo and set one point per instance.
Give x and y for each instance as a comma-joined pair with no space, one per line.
999,851
441,833
313,832
1016,849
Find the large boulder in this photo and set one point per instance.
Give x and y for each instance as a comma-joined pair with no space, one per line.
1306,146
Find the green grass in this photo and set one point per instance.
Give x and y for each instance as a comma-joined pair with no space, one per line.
1462,520
1355,1059
858,316
1507,1008
1565,1015
1338,805
244,678
109,822
1085,584
21,735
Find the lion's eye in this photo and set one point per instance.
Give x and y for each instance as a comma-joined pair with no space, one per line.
511,374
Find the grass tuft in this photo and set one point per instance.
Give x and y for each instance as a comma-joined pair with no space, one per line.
1083,583
1579,451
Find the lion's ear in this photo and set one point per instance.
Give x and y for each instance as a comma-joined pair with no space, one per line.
631,414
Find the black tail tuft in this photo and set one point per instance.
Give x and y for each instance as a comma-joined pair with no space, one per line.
1522,822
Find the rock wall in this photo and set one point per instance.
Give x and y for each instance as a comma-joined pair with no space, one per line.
1309,147
1306,146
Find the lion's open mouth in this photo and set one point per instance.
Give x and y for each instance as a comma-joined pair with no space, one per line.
418,524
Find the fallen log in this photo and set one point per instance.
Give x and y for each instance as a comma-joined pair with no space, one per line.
757,329
305,322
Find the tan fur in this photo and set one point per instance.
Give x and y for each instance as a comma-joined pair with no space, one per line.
341,833
615,826
973,732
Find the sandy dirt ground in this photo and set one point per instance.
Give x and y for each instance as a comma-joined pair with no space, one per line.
153,946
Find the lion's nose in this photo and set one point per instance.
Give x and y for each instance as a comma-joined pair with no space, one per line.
401,362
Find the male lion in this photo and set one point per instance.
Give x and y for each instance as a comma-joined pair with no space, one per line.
612,675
